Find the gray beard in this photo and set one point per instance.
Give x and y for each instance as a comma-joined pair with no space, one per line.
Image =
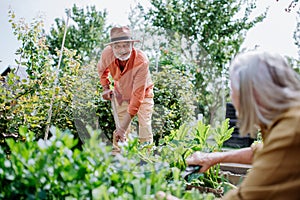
123,59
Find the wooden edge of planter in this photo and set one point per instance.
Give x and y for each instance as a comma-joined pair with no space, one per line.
234,179
234,172
235,168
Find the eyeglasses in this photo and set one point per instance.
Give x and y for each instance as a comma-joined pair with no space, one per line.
122,45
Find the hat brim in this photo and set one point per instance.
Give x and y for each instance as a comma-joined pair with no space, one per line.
121,41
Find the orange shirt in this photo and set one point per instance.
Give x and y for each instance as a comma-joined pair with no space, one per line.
133,84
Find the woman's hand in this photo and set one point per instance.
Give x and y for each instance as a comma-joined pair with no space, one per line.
205,160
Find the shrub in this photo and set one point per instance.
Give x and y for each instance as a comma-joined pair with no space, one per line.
173,98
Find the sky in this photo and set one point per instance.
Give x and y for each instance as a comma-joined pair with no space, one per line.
274,34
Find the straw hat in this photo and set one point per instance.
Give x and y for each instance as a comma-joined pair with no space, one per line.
121,34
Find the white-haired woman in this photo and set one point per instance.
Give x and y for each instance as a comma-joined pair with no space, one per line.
265,92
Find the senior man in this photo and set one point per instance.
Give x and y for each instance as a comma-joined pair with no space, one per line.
132,84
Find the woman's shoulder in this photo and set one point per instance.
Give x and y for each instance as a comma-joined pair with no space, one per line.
287,125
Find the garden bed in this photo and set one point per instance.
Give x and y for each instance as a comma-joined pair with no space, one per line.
232,172
216,192
235,168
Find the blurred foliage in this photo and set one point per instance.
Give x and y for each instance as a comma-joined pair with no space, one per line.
27,101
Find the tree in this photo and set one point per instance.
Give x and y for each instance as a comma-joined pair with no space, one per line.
208,34
87,34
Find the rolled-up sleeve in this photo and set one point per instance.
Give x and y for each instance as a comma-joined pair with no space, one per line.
103,72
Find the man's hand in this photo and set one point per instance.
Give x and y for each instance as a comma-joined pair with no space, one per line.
106,94
120,135
124,124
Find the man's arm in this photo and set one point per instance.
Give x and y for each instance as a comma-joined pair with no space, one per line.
103,72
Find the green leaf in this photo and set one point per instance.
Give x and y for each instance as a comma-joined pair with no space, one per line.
23,130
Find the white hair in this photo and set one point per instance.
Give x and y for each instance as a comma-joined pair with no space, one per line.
266,85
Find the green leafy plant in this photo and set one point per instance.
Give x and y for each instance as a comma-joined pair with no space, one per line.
174,103
57,169
222,133
180,143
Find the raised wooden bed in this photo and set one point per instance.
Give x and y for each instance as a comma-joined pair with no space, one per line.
234,172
